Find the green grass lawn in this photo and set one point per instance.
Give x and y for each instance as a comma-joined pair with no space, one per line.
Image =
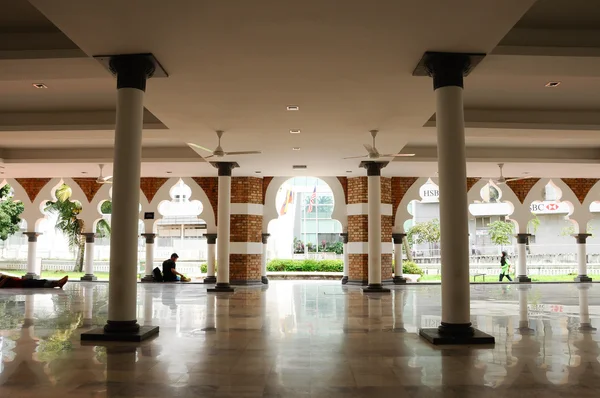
494,278
58,274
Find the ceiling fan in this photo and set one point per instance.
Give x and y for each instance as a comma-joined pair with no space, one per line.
503,180
219,152
103,180
373,153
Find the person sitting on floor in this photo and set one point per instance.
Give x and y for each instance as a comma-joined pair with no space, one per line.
170,274
7,281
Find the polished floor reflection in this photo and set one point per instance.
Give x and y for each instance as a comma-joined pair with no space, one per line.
301,339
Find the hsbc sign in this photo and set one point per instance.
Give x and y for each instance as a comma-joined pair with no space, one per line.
549,207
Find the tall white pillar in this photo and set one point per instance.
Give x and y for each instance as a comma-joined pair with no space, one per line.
89,257
264,279
132,71
149,267
223,225
346,258
32,271
522,240
585,323
374,232
399,278
582,258
447,70
211,241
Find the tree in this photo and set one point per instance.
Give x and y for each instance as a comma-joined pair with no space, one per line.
424,232
500,232
533,225
9,213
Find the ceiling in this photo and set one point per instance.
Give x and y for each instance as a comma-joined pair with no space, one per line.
235,66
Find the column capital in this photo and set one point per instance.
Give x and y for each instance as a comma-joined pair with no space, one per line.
373,168
397,237
89,237
522,239
211,239
581,238
265,238
32,236
149,238
132,70
225,168
344,237
447,69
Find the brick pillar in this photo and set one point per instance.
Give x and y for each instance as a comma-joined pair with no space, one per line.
358,229
246,247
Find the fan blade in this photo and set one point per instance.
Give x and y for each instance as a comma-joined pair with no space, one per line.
199,147
243,153
398,155
208,157
356,157
370,149
518,179
108,178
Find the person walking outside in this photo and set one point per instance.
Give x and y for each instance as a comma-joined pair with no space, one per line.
504,267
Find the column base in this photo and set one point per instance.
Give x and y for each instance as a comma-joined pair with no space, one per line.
582,278
210,279
147,279
357,282
399,280
586,327
245,282
375,288
221,288
30,275
399,330
264,280
344,280
523,279
121,331
89,278
456,334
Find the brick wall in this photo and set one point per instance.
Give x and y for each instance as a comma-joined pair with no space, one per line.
471,181
386,266
580,186
344,182
357,190
89,186
245,228
151,185
210,186
244,268
247,190
386,190
400,186
358,267
358,227
266,182
32,186
522,187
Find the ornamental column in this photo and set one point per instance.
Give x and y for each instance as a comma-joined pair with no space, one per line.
89,257
32,271
132,71
399,278
447,71
223,223
149,267
374,223
582,258
264,279
344,237
211,241
522,240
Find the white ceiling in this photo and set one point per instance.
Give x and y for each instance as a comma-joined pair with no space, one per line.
236,65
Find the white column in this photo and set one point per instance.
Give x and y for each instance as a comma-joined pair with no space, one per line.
89,257
522,240
374,233
346,258
132,72
211,241
523,308
584,309
32,272
582,258
447,70
265,239
149,267
223,226
398,273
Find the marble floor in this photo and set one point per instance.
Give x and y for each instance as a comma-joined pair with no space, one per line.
301,339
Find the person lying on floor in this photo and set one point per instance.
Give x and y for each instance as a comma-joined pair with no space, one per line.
7,281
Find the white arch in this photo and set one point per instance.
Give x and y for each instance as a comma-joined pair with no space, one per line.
411,194
339,201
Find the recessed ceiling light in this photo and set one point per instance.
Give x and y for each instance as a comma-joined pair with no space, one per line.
348,171
294,131
299,166
552,84
257,172
293,108
84,172
296,148
168,172
39,85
